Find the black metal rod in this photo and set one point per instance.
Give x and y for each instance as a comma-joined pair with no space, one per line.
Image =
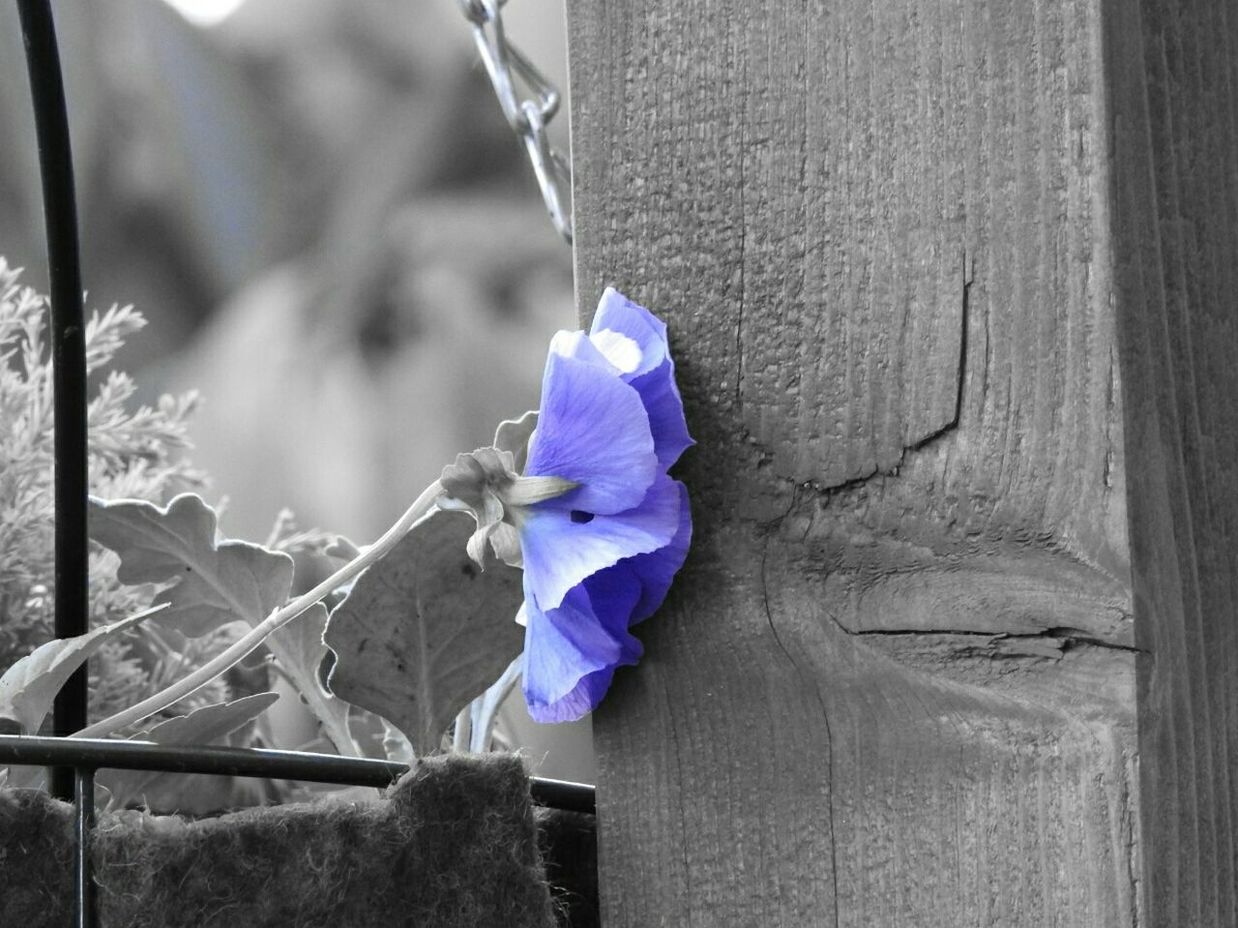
237,762
564,794
68,340
84,825
247,762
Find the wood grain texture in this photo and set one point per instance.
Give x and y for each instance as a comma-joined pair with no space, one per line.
895,683
1174,73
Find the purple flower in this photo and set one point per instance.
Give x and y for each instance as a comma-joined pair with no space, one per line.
593,518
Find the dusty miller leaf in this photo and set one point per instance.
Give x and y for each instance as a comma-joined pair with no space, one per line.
200,727
29,687
209,723
215,583
424,631
299,652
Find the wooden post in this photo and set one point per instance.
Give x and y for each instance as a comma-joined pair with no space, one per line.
1173,74
942,278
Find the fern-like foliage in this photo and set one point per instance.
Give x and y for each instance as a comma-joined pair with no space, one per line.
133,452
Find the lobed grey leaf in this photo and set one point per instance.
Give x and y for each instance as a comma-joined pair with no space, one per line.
299,652
215,582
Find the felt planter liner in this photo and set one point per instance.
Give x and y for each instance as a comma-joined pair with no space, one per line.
454,843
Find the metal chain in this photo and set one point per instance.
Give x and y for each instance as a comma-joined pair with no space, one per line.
529,116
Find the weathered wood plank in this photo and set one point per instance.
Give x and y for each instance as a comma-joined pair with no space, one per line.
895,684
1174,74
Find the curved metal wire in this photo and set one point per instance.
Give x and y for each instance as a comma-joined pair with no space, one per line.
528,117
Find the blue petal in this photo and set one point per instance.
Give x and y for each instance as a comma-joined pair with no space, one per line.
559,553
619,314
654,379
614,593
571,652
664,406
592,429
564,646
654,572
582,699
577,345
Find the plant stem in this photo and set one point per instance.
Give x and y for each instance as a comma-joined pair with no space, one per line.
484,708
421,508
460,736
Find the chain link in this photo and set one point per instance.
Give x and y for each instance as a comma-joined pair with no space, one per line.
528,116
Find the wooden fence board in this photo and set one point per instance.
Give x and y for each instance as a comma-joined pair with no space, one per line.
896,684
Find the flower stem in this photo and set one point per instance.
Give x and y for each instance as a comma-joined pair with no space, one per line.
460,735
421,508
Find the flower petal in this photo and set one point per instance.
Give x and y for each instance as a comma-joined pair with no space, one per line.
616,313
578,702
562,681
622,352
582,347
654,377
653,572
563,645
664,406
560,553
592,429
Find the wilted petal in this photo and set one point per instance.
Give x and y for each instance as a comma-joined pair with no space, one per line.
592,429
512,436
560,553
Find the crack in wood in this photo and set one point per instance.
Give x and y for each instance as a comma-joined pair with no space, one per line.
825,719
1068,637
1062,637
851,483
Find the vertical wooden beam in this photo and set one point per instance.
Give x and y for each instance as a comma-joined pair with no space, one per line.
1174,78
894,243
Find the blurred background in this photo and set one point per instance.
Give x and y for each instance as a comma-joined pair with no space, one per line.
333,234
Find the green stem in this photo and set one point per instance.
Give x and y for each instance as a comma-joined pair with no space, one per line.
235,653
